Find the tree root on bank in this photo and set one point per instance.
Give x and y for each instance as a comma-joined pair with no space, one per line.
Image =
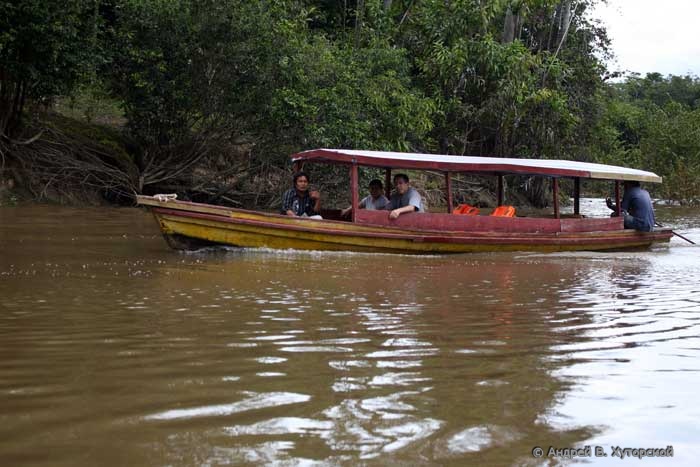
70,162
58,165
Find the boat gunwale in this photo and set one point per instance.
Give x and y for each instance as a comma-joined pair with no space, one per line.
311,226
326,224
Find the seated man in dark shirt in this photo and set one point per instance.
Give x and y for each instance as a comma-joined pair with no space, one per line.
299,201
636,207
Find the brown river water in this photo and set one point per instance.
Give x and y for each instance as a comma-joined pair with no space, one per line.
116,351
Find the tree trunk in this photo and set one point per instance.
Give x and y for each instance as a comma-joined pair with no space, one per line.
536,191
508,27
387,5
554,26
564,22
359,10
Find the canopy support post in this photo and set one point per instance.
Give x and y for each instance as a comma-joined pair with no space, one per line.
499,191
555,194
618,208
387,183
297,166
354,191
577,196
448,187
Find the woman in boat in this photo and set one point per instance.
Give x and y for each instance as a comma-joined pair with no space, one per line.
299,201
406,199
636,207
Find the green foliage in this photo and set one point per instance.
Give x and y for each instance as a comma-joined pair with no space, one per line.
93,104
155,47
196,77
528,97
46,48
47,43
656,89
335,96
670,146
654,123
256,68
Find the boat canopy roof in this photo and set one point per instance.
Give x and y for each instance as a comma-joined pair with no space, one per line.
489,165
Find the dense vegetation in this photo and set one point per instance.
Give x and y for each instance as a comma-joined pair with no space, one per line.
212,95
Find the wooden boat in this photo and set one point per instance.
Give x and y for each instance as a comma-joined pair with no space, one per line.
186,224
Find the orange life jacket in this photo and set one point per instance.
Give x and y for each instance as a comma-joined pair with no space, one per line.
504,211
466,210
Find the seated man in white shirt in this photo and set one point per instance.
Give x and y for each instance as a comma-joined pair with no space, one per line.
376,199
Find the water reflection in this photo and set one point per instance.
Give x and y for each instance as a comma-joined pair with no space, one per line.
636,354
124,352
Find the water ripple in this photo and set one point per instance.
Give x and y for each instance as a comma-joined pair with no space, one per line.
254,402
